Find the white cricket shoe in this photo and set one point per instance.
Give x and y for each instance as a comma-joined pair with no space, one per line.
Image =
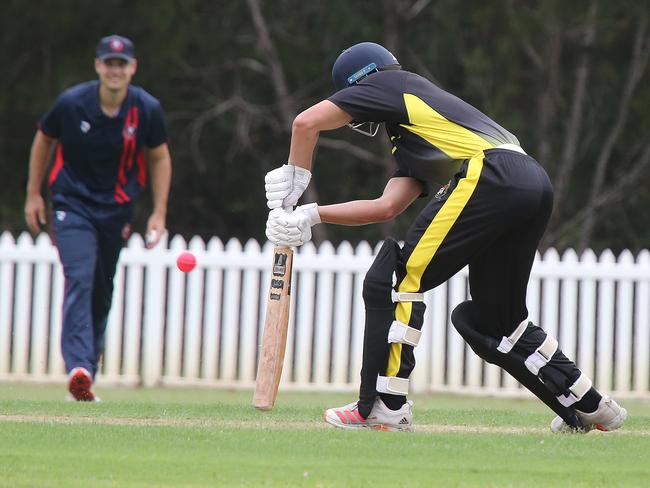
381,417
608,416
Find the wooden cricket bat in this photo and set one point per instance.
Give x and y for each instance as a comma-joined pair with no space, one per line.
274,338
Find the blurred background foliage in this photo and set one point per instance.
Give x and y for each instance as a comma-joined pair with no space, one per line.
570,79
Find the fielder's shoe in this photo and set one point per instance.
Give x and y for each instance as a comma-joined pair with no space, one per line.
608,416
79,384
380,418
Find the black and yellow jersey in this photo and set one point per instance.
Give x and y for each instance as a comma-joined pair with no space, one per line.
426,125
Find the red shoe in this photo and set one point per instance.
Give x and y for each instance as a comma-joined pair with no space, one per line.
80,382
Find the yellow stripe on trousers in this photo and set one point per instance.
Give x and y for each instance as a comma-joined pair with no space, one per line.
427,247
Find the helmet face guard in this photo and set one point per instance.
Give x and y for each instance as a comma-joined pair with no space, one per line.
369,129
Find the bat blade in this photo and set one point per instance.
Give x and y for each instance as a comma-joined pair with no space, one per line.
274,337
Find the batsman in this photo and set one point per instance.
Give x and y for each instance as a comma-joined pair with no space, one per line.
490,216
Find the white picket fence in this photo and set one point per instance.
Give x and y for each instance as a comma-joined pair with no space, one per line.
166,327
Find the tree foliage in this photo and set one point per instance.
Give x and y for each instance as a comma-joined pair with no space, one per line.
570,79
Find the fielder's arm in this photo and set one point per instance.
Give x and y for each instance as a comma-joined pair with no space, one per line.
38,158
160,164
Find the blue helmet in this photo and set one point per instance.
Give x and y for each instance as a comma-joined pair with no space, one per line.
359,61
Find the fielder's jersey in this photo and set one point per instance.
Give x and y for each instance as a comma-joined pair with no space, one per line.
100,158
426,125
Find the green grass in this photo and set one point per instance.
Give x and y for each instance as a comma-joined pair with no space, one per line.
183,437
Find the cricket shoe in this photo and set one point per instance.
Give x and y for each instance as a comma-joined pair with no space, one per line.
608,416
381,417
79,384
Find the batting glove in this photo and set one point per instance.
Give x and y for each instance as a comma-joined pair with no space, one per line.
292,229
285,185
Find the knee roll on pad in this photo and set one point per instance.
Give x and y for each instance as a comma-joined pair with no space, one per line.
403,334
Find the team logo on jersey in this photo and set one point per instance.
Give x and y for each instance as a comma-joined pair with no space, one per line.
129,131
60,215
442,191
84,126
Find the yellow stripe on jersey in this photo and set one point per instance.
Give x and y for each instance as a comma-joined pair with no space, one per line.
452,139
427,247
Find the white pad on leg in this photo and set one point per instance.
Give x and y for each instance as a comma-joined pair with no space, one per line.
392,385
576,391
507,343
406,296
542,355
403,334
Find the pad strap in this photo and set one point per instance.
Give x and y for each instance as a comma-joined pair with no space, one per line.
392,385
403,334
507,343
576,391
542,355
405,296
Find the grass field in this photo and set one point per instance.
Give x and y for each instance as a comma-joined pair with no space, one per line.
182,437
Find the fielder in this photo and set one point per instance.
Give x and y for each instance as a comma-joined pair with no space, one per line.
490,216
104,131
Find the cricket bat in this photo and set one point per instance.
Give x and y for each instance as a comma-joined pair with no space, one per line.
274,337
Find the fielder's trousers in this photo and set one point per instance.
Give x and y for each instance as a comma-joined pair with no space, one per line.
89,238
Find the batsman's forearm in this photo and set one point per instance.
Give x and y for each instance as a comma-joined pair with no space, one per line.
38,157
357,212
161,177
303,142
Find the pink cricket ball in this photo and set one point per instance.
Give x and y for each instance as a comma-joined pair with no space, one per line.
186,261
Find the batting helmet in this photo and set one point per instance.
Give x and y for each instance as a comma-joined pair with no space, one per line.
359,61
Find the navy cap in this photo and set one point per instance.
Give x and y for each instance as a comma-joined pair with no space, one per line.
115,46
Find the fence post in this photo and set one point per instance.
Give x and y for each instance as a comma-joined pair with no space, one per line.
568,326
304,314
133,310
248,322
194,299
152,321
212,317
6,300
232,296
624,308
22,322
323,317
605,325
342,318
642,327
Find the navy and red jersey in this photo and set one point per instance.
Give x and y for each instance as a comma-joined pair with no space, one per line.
100,158
426,124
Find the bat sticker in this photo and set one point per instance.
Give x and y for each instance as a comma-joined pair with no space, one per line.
280,264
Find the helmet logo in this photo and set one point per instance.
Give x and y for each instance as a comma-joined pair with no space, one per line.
116,45
361,73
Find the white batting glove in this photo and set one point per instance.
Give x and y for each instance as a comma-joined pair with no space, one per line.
285,185
292,229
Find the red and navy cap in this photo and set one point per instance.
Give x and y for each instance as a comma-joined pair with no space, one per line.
115,46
